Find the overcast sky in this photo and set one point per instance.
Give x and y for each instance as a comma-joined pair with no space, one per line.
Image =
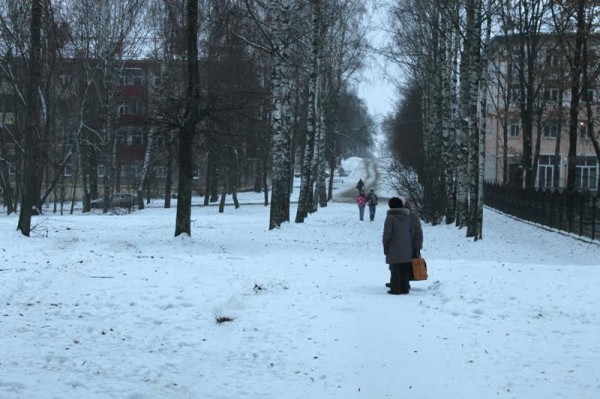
375,88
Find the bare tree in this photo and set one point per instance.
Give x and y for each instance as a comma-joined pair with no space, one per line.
33,134
573,21
281,85
310,164
186,136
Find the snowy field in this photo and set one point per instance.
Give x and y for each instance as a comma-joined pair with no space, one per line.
105,306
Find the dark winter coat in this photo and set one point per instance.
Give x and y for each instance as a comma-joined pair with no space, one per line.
417,229
372,199
397,242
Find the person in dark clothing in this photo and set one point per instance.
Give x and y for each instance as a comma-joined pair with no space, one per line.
397,246
417,230
417,233
360,185
372,201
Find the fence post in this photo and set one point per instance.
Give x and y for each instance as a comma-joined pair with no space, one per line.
581,208
570,212
594,198
561,204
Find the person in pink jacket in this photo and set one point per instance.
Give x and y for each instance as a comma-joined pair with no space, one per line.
361,200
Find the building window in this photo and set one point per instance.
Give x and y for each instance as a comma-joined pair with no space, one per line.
123,109
67,137
123,137
513,129
551,95
552,59
131,76
515,94
134,137
68,169
65,79
586,173
551,130
137,168
160,171
196,171
546,172
101,170
589,96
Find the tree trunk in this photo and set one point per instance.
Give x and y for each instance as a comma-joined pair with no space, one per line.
186,136
462,188
169,177
32,156
320,195
6,186
483,90
305,198
281,115
145,169
474,33
225,187
576,69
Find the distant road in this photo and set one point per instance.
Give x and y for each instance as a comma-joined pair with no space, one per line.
371,180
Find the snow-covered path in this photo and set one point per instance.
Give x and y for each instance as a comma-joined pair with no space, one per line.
97,306
367,170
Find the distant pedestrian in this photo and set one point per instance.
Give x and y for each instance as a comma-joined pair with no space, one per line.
397,246
361,200
372,201
360,185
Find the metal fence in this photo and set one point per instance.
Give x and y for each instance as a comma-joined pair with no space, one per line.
577,213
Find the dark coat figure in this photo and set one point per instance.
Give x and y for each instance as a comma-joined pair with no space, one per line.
372,201
397,246
417,230
360,185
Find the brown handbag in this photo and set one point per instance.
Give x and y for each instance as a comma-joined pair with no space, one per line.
419,268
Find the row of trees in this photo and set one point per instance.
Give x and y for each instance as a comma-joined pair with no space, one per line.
242,81
456,53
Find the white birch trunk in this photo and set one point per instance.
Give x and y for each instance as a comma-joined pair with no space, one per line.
306,198
462,154
483,90
281,84
145,169
474,32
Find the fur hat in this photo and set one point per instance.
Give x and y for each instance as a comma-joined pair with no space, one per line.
395,202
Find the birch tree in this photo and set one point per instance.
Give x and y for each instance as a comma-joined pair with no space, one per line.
418,39
311,157
281,111
145,169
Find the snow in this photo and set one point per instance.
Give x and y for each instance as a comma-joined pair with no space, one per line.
113,306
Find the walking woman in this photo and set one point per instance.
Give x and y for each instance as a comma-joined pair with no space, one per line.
397,246
361,201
